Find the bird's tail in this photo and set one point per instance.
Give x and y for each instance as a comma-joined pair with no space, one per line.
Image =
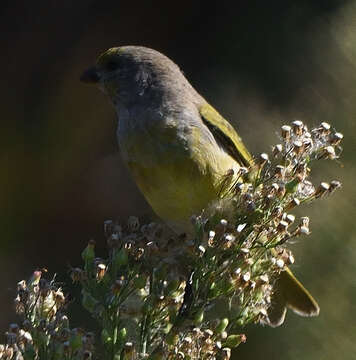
290,293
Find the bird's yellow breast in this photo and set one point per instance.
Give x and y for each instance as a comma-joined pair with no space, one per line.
178,174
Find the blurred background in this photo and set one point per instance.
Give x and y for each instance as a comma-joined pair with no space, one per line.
261,64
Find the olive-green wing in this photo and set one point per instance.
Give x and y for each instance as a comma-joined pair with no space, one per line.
226,135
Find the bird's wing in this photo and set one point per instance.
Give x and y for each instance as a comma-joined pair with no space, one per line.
226,135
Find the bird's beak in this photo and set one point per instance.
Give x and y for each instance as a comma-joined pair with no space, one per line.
90,76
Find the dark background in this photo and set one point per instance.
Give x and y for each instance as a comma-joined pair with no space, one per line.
261,64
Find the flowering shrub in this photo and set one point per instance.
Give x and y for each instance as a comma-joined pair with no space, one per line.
45,331
162,296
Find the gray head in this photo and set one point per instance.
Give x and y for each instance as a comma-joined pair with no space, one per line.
131,74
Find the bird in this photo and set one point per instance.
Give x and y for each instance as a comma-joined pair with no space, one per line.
177,147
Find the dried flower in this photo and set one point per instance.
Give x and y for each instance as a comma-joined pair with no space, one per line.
336,138
334,185
298,147
322,189
282,226
324,128
286,132
298,127
277,149
263,159
100,271
292,204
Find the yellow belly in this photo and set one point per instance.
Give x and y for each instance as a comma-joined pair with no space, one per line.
183,186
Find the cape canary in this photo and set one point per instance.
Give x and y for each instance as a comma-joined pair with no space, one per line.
178,147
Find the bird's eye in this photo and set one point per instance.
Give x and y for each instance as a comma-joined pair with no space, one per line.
112,65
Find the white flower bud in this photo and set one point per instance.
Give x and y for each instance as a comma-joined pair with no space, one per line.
201,250
263,158
240,227
304,221
282,226
325,127
229,237
277,149
335,184
290,219
303,230
330,151
280,263
285,132
297,127
336,138
211,234
322,189
279,171
298,147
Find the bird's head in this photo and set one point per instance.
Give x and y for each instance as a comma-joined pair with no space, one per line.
129,73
